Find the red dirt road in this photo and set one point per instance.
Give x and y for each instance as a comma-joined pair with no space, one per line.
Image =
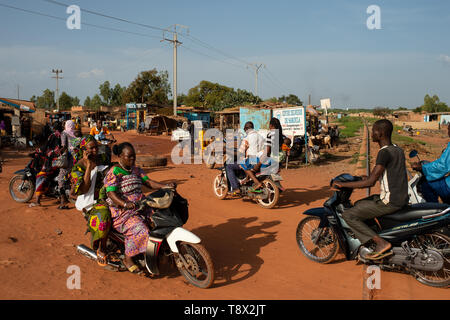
253,249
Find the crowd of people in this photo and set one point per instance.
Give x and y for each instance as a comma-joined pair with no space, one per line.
105,191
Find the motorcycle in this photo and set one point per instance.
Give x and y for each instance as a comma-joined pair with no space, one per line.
167,240
419,234
271,188
105,147
23,184
415,181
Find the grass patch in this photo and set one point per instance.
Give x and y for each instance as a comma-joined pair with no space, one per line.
351,125
401,139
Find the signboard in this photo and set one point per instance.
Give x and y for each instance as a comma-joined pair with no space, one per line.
325,103
292,120
259,117
136,105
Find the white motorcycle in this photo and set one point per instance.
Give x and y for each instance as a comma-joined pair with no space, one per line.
167,240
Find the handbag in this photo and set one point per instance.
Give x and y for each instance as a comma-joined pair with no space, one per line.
62,161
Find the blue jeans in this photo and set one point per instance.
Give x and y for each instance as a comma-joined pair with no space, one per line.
231,174
431,191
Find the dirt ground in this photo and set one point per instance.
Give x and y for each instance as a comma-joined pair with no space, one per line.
253,249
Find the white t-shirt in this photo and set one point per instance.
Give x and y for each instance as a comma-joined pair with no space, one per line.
253,144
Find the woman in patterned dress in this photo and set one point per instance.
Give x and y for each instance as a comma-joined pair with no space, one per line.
95,209
123,184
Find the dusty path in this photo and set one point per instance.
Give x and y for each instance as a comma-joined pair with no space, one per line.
253,249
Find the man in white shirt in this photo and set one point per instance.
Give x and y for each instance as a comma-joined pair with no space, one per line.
252,148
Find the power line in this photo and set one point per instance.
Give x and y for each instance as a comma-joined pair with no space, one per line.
211,57
87,24
107,16
210,47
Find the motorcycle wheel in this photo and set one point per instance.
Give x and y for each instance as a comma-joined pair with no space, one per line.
273,195
220,187
440,243
325,249
200,271
21,188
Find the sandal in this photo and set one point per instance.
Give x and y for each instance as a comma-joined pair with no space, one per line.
101,259
32,205
134,269
63,207
378,255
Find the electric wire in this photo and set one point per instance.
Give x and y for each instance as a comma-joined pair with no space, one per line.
84,23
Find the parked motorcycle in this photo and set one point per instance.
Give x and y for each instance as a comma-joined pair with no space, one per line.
419,233
22,185
167,240
270,190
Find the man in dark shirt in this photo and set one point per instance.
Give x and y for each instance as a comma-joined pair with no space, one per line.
390,169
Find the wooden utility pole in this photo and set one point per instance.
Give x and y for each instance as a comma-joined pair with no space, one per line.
57,72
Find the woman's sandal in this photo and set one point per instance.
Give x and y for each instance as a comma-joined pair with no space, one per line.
101,259
134,269
63,207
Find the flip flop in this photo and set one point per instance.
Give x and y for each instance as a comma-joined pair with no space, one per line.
378,256
134,269
64,207
32,205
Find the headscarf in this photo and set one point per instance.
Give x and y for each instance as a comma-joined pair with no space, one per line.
70,128
78,151
85,141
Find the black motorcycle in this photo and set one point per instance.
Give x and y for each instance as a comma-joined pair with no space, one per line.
23,184
419,234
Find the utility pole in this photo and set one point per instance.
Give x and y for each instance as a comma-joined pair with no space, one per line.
57,87
257,67
176,43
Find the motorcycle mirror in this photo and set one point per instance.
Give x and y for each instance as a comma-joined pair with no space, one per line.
413,153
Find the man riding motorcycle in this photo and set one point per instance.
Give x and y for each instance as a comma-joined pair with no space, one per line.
437,182
390,169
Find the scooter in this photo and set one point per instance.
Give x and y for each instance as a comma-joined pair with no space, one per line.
167,240
419,234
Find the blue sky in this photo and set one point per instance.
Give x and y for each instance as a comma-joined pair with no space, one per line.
322,48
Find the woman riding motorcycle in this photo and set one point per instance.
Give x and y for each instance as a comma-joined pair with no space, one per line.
123,184
49,152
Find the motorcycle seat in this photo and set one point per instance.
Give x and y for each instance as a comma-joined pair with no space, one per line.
416,211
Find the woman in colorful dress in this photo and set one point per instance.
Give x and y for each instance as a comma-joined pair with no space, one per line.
69,143
123,184
87,183
48,152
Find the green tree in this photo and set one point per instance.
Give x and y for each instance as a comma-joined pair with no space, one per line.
96,102
216,97
87,102
106,92
433,104
150,87
65,101
291,99
45,101
117,95
75,101
382,112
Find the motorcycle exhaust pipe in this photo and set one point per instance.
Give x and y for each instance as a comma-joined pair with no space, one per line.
88,252
91,254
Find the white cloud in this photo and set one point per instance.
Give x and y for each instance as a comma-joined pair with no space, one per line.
444,58
93,73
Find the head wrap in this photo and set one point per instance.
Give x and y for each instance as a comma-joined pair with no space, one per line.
87,139
70,128
78,151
